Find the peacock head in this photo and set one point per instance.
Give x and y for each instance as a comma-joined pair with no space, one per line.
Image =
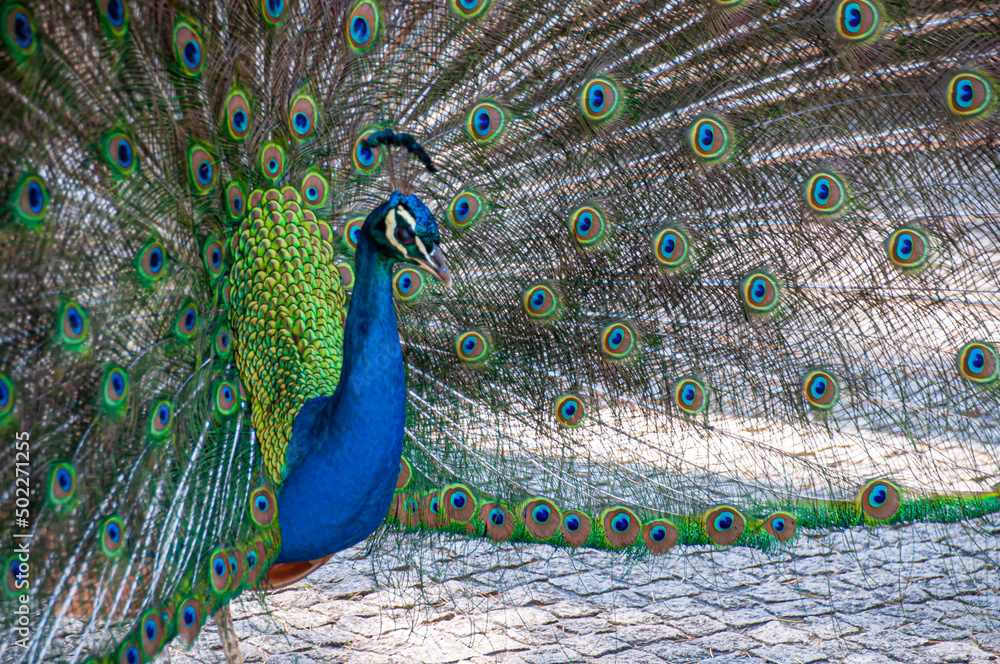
403,229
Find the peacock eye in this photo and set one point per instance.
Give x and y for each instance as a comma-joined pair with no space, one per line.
404,235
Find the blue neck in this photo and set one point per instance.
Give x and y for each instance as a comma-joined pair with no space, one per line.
345,449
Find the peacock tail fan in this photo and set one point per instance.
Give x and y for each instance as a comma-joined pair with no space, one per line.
724,272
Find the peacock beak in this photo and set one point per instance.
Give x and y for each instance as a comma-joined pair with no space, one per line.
439,267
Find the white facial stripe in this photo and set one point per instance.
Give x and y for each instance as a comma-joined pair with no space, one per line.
423,250
390,230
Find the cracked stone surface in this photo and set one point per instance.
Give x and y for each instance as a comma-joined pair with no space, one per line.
921,594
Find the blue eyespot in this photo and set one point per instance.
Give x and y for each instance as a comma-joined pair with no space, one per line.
275,7
411,506
595,99
164,414
658,533
482,122
219,567
615,340
568,409
205,172
853,12
904,246
965,94
124,153
688,394
150,629
668,244
778,524
216,257
75,320
758,290
22,30
272,166
113,532
240,121
4,394
301,121
116,13
232,565
572,523
64,479
435,505
312,194
458,500
366,156
822,191
540,514
155,260
706,136
190,615
360,30
462,208
189,320
818,387
251,559
227,393
724,521
192,54
621,523
237,204
538,300
132,655
355,232
976,360
35,197
224,339
584,223
879,494
496,516
262,503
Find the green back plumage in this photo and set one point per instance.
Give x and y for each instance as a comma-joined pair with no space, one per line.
717,266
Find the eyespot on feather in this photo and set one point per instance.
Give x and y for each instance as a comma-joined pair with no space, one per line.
587,225
364,22
724,525
408,285
710,138
272,161
189,50
30,200
541,518
858,21
151,263
161,419
660,536
570,410
459,503
314,190
274,11
621,527
119,153
473,347
486,122
671,248
970,94
908,248
190,617
820,389
19,32
263,506
540,302
826,193
153,632
112,536
466,209
691,395
366,159
600,99
618,341
499,521
879,500
350,232
781,526
61,484
73,326
575,527
760,293
302,117
470,9
115,388
238,118
978,362
405,473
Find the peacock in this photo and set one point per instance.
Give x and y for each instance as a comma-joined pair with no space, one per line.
718,272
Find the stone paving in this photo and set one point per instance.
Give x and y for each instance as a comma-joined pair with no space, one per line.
916,594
